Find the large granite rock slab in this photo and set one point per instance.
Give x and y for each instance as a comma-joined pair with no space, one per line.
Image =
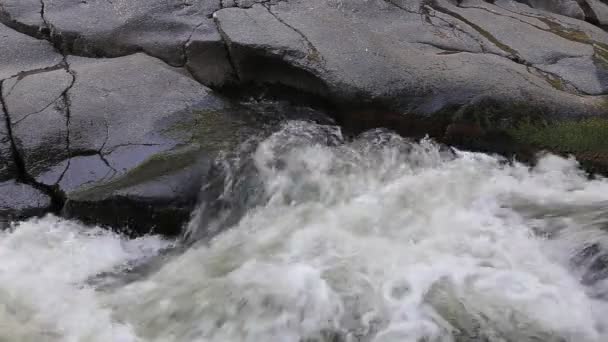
114,136
164,29
419,58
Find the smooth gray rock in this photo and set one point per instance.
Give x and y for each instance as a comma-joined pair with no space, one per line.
593,11
570,8
21,53
24,16
18,201
600,11
575,71
114,28
36,106
413,59
544,43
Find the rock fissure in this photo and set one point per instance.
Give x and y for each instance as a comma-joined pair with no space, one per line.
590,15
186,43
514,55
55,194
429,12
67,106
313,53
229,55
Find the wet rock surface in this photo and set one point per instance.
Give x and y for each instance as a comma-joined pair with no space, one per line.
114,111
19,201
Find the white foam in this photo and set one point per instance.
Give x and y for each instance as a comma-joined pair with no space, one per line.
374,240
44,264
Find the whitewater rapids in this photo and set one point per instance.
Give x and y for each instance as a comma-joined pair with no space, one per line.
372,239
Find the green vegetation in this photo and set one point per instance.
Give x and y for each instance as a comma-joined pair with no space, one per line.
566,32
586,135
158,165
211,130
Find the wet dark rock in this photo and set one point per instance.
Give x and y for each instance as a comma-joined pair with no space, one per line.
119,139
18,201
21,53
7,165
37,109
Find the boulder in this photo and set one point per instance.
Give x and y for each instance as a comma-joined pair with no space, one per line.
417,59
163,29
119,138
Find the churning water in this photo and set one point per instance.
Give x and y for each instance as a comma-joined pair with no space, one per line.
371,239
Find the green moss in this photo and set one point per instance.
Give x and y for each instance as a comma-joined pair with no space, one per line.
567,33
569,136
490,114
212,130
555,82
601,55
509,50
158,165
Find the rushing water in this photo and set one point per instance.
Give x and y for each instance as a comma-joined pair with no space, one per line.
375,239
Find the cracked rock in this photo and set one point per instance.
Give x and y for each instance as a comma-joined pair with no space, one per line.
127,116
115,28
570,8
420,61
38,118
21,53
207,58
108,131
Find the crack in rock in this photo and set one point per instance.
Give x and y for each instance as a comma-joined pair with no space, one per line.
56,195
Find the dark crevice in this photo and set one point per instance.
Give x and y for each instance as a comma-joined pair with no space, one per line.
65,95
57,197
227,46
187,43
590,15
89,153
444,50
513,54
427,15
23,74
390,2
313,53
33,31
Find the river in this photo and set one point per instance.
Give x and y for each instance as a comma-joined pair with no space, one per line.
368,239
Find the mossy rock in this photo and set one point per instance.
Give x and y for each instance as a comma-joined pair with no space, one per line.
521,131
576,136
